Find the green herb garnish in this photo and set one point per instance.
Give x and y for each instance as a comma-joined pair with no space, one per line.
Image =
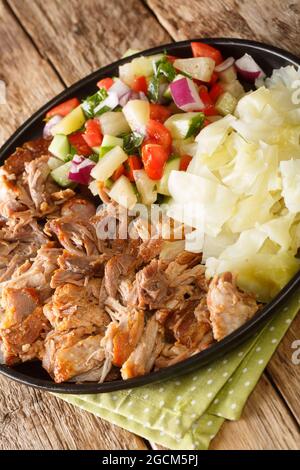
132,142
195,125
91,102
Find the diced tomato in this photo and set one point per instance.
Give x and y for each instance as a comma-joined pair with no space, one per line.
184,162
205,50
118,172
215,91
206,122
105,83
157,133
213,78
133,163
78,142
64,108
171,58
158,112
154,157
209,109
93,135
140,84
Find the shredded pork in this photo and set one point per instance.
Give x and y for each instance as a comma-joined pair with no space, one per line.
91,305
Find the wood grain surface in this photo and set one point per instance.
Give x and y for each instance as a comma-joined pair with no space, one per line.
78,37
265,424
46,46
270,21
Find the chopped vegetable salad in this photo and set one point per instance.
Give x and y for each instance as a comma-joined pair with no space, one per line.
183,130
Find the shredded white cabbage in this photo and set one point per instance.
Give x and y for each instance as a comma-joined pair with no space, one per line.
241,191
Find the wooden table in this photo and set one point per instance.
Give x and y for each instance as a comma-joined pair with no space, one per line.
45,46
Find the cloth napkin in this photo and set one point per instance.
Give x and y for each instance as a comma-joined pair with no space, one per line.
188,411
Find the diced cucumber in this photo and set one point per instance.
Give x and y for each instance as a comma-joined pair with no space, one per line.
167,94
184,125
108,164
60,147
113,123
228,75
162,186
61,175
108,143
123,193
235,88
111,141
200,68
70,123
185,147
226,103
137,67
54,163
104,150
145,186
137,114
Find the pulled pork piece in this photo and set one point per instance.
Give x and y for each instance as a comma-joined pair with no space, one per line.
142,359
23,326
76,269
17,304
72,353
174,353
191,329
18,244
186,327
162,285
26,187
229,307
122,337
38,272
117,267
73,347
15,164
72,306
185,269
73,230
152,285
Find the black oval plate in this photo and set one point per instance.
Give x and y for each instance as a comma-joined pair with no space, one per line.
32,373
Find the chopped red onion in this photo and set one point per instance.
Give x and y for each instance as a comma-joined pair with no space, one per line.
119,88
80,171
248,68
131,95
225,65
111,102
185,95
49,124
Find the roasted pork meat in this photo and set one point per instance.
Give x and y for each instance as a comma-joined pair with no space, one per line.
90,292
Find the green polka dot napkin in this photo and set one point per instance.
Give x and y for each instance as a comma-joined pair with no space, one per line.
187,412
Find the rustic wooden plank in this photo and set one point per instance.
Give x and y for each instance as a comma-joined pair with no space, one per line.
285,373
265,424
30,419
29,79
79,37
270,21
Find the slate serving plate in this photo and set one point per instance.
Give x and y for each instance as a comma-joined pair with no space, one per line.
32,373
